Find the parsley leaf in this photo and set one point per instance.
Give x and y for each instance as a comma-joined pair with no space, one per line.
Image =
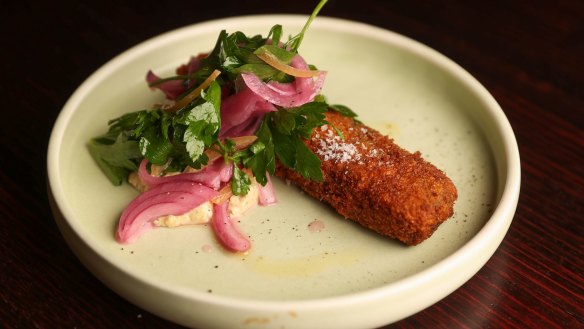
307,163
344,110
159,136
282,133
308,117
240,182
202,122
261,70
115,157
155,145
272,50
285,148
275,34
261,157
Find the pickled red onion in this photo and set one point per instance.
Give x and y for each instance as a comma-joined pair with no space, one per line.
297,93
242,112
248,127
211,176
174,88
274,62
170,198
267,193
227,231
171,89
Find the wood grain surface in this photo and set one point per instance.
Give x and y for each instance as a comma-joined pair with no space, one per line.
528,54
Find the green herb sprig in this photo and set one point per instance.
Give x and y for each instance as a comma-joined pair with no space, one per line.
179,139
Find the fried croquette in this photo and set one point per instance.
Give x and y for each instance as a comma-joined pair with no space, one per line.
374,182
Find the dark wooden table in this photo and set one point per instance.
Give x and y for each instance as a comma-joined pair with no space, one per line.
529,55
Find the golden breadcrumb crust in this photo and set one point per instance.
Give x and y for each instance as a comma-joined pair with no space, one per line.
374,182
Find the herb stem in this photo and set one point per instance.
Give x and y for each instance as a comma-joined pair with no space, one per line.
163,80
298,39
194,94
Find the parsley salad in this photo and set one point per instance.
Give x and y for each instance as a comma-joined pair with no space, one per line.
206,157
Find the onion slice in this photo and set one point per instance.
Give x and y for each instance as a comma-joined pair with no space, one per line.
171,198
276,63
211,176
267,193
171,89
223,195
297,93
240,111
227,231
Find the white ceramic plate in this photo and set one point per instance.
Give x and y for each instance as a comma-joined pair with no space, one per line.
341,277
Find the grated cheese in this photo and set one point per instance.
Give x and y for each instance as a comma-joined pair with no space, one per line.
332,148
